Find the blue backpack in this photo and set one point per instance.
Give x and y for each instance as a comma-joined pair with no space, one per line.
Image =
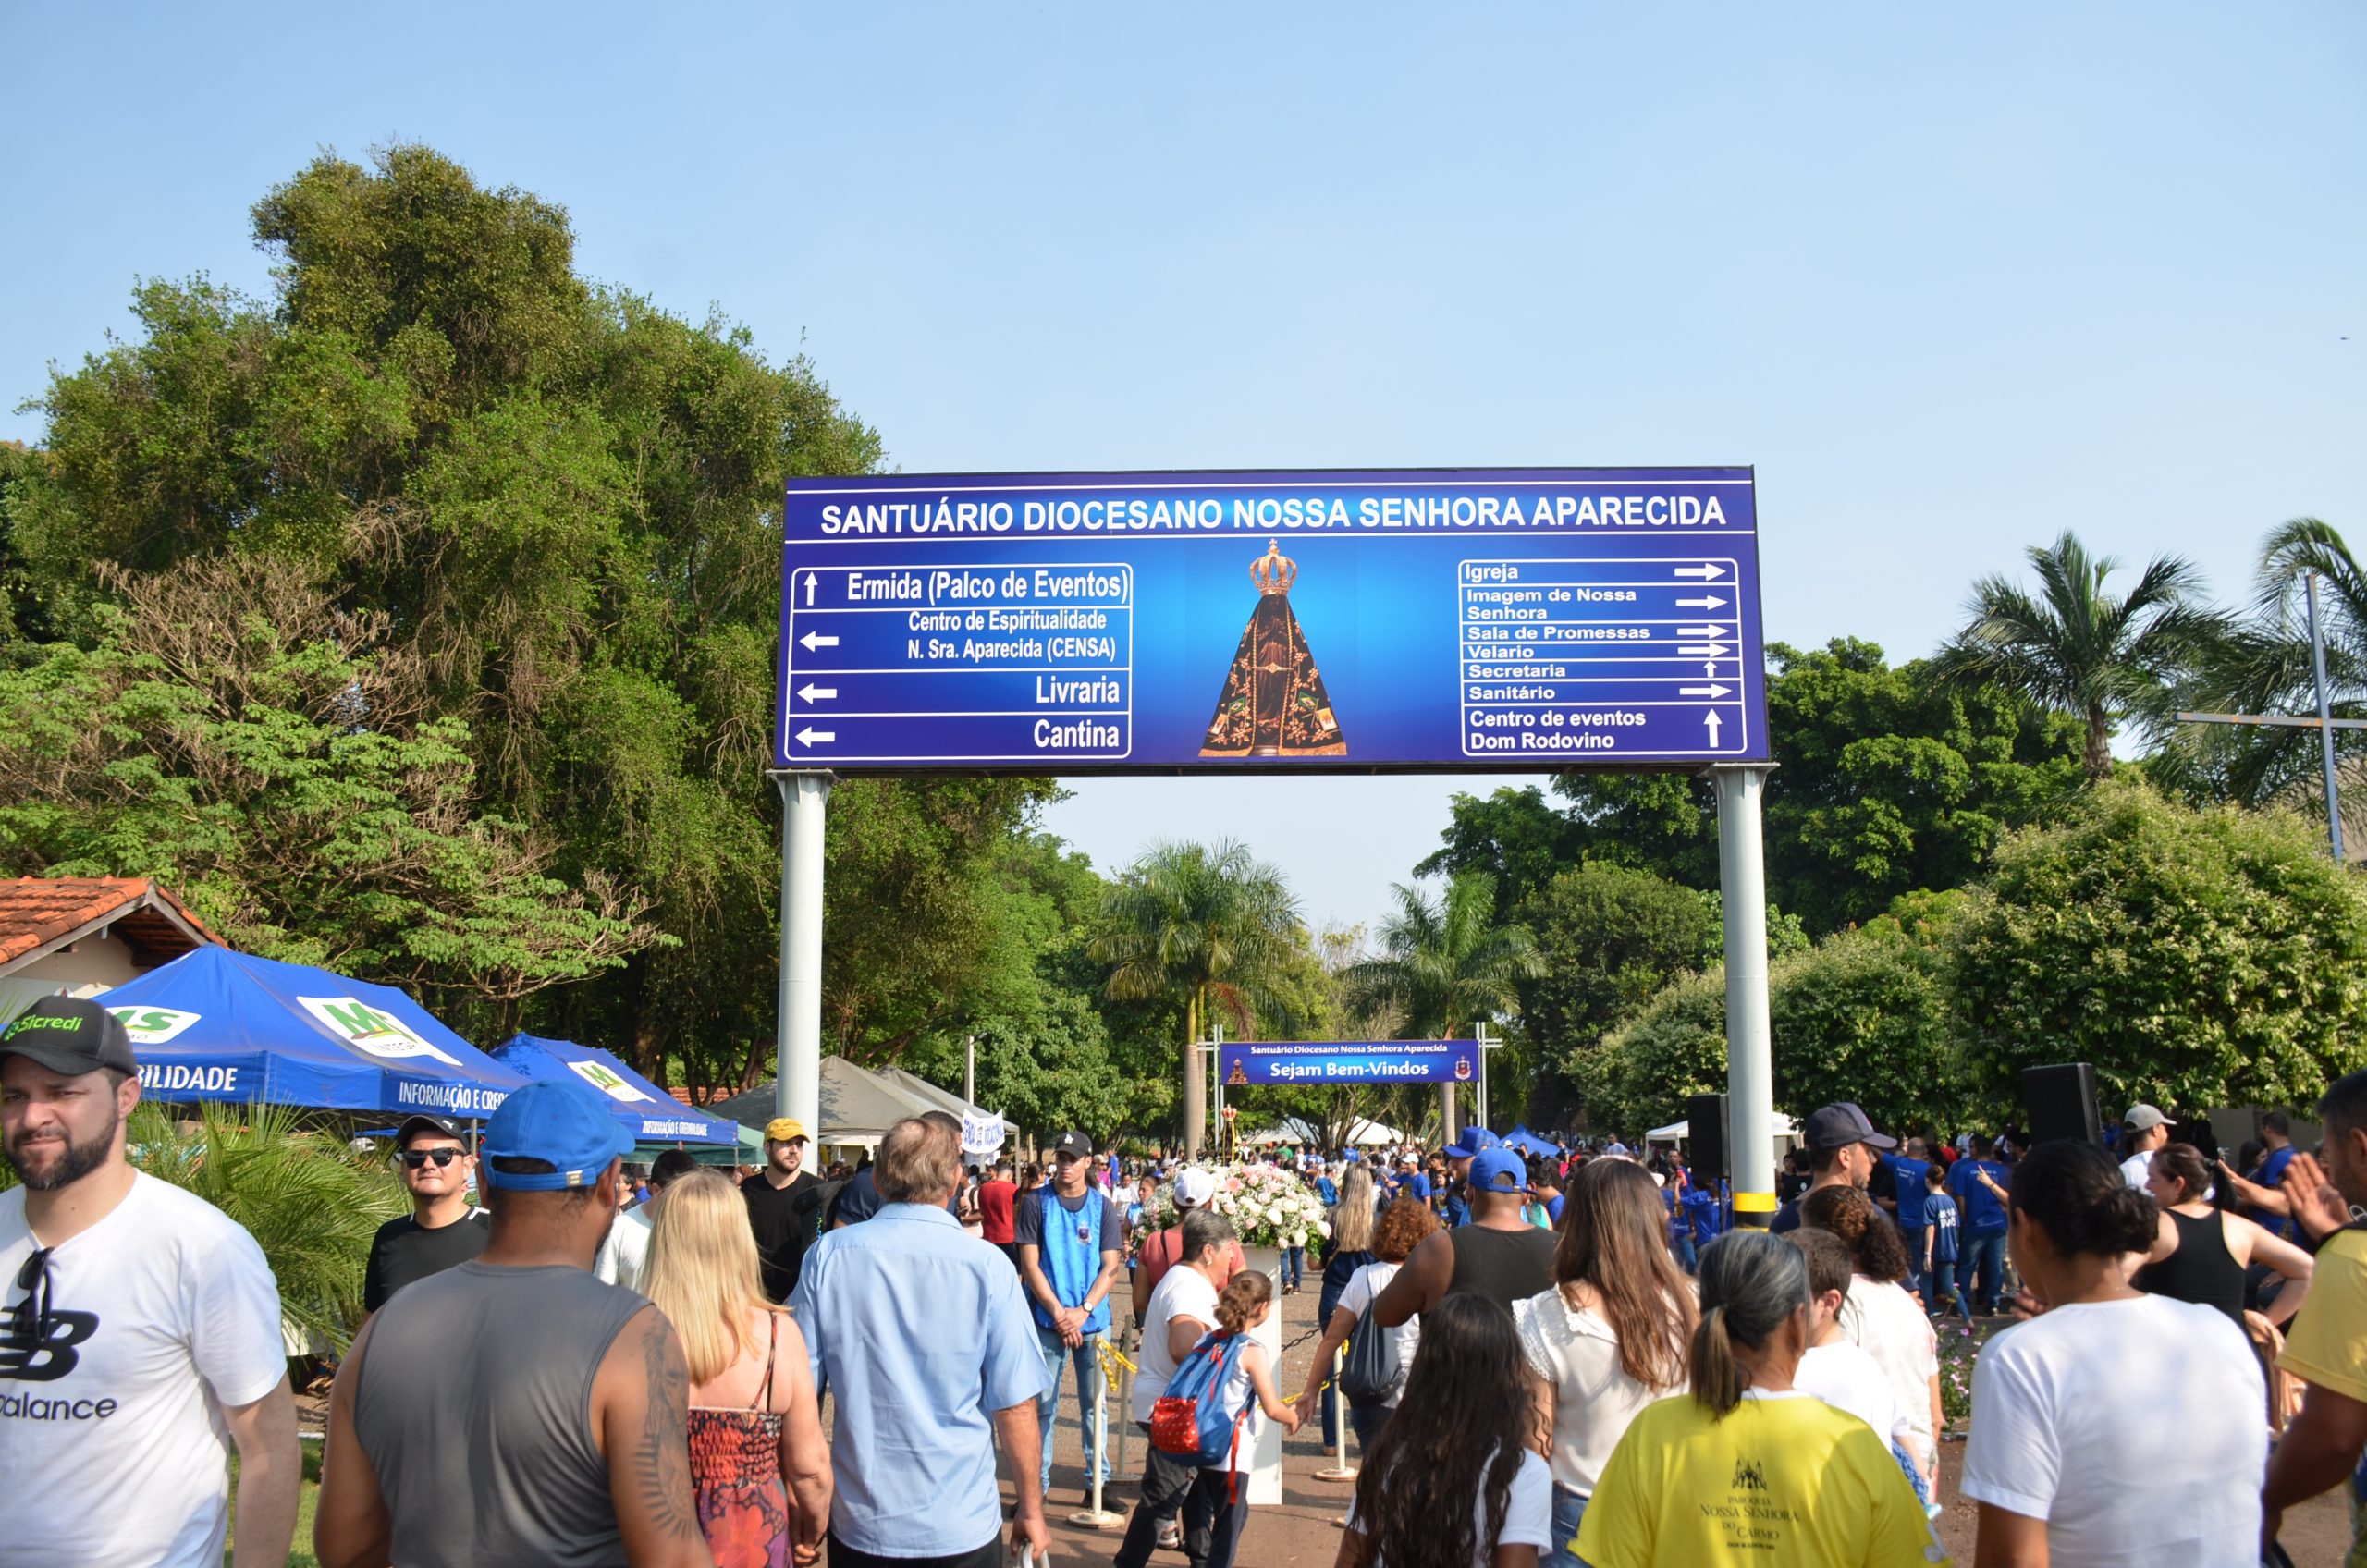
1189,1420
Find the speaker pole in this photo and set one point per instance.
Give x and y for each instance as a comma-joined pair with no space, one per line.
1750,1072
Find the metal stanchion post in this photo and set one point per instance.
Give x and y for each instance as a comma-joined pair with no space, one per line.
1094,1516
1343,1471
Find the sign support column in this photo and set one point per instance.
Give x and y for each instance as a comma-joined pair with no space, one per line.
1751,1073
797,1038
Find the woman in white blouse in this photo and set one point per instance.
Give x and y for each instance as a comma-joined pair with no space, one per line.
1610,1338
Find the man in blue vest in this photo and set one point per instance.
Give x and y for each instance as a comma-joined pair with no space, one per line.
1072,1243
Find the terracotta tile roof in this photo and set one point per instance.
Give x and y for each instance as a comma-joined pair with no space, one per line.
40,913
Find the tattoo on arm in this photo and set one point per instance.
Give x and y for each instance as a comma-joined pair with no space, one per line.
661,1454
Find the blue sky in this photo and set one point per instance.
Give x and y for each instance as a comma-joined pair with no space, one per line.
1953,279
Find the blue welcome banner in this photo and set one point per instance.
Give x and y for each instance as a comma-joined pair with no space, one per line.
1251,1062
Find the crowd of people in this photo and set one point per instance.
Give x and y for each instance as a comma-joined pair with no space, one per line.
1574,1357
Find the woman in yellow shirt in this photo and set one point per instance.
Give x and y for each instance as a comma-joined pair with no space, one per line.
1747,1470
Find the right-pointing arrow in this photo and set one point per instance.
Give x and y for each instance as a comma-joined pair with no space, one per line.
1710,601
1703,650
1703,690
1700,632
1705,572
810,736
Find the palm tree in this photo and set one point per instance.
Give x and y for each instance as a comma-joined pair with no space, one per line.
1446,962
310,1204
1204,927
2077,649
2263,666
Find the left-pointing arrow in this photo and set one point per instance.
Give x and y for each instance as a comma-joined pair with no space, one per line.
813,640
809,737
814,693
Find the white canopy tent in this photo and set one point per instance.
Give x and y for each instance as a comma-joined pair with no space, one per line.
1788,1133
1291,1130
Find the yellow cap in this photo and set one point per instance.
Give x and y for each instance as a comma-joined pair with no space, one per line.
784,1130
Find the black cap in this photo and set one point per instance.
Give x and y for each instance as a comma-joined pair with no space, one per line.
1838,1126
414,1125
1073,1142
70,1034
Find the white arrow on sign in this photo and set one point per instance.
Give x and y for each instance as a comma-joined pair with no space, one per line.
813,640
808,737
814,693
1700,632
1705,571
1710,669
1703,690
1711,603
1710,718
809,587
1704,650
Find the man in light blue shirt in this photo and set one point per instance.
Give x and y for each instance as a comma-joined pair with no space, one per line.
923,1337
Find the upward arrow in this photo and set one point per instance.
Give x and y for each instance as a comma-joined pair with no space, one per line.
809,587
1710,718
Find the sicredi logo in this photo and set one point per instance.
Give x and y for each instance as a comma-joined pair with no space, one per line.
153,1025
606,1082
366,1029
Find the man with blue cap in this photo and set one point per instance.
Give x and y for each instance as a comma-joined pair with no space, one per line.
1459,1156
1500,1255
460,1432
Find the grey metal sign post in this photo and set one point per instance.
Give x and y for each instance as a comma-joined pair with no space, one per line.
797,1029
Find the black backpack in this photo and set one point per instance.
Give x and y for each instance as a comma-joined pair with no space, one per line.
1369,1372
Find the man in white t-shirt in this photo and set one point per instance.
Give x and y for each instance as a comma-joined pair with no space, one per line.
2143,1130
627,1246
140,1338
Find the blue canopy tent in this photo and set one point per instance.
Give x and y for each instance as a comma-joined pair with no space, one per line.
216,1025
1521,1138
654,1116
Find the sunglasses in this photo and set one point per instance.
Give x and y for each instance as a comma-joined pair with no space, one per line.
414,1159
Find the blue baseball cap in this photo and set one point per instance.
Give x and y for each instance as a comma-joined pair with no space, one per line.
1497,1170
565,1125
1473,1139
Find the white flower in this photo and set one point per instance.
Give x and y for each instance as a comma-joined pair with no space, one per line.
1323,1229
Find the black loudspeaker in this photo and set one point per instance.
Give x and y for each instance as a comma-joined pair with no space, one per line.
1705,1133
2062,1103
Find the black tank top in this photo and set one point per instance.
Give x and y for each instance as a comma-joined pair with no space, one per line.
2202,1270
1505,1266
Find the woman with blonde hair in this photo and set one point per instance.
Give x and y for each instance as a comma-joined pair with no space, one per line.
755,1431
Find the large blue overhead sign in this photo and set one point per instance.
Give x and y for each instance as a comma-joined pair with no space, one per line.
1514,619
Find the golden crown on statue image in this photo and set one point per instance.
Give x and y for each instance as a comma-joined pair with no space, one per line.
1274,571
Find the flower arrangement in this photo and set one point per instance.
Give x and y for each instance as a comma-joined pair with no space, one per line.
1270,1207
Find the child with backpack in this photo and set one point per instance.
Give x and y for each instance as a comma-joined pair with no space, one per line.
1206,1425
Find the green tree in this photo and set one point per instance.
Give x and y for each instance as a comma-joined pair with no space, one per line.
1207,928
236,735
2075,648
310,1204
1890,783
563,507
2263,665
1869,1016
2195,957
1674,1049
1447,962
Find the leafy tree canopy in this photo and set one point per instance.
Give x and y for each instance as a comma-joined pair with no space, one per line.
1887,785
2195,957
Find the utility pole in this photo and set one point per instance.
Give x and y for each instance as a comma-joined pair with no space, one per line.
2325,716
797,1030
